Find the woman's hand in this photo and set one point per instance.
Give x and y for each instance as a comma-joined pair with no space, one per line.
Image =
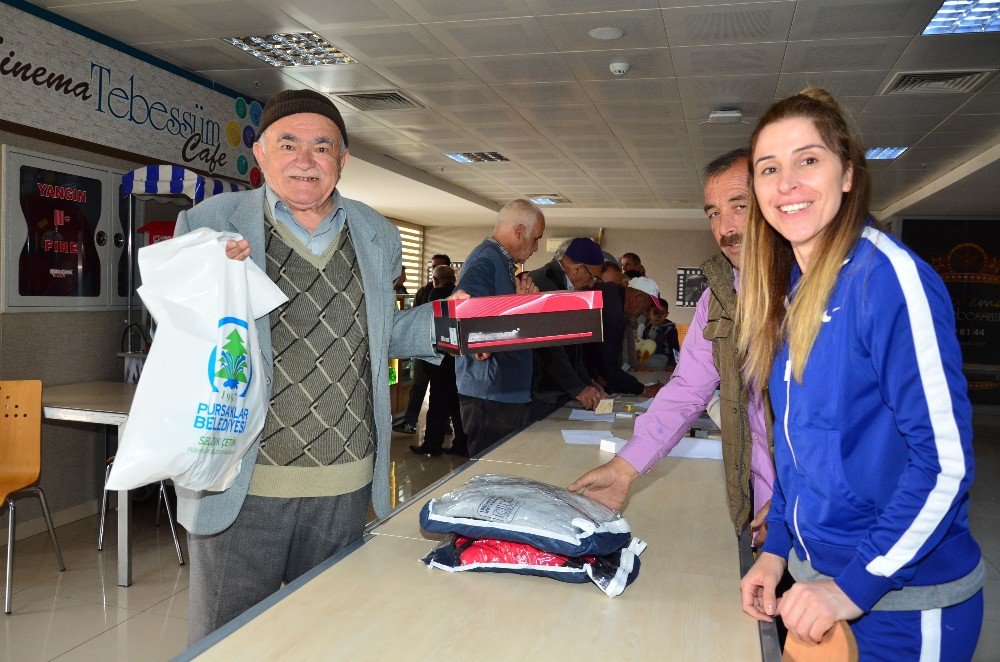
810,609
758,585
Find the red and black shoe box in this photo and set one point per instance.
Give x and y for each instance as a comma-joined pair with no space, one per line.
518,321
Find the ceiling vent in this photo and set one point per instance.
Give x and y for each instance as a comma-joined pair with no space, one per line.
368,101
937,82
476,157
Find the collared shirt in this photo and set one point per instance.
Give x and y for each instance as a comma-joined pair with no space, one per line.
683,399
511,265
326,233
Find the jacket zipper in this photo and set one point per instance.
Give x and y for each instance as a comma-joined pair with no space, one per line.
788,440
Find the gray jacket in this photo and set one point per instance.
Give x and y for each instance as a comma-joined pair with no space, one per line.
391,332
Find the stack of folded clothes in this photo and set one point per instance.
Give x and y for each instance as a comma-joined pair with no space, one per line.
516,525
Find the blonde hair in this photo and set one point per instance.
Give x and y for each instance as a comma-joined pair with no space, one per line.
766,266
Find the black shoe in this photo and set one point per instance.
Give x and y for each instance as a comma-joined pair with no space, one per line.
422,449
460,451
405,428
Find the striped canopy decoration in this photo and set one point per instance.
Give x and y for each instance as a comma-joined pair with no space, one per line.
163,180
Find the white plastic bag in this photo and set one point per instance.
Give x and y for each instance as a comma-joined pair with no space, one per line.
201,400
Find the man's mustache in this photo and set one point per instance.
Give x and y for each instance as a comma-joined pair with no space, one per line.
734,239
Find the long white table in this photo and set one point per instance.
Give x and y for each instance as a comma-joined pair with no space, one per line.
102,403
376,601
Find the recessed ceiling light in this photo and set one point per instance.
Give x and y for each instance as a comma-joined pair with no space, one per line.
884,153
964,16
547,199
291,50
607,34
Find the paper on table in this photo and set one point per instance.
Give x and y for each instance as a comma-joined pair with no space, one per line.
591,437
644,404
587,415
710,449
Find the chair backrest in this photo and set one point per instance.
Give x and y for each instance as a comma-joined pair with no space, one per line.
682,330
20,434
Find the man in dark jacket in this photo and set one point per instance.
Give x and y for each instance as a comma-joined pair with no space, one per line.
421,374
604,359
560,374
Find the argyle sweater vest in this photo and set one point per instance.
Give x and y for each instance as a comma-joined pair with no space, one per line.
319,435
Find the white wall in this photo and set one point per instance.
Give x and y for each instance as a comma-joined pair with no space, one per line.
661,251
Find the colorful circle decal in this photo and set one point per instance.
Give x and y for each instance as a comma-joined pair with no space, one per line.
255,177
249,135
241,107
233,133
242,165
255,112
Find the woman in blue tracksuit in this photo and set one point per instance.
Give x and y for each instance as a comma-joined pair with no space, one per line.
855,337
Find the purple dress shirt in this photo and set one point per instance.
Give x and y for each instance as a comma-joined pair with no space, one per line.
683,400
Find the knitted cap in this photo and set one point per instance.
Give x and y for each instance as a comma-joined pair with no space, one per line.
291,102
585,251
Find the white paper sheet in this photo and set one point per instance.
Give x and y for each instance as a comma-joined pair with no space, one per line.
710,449
645,404
589,437
587,415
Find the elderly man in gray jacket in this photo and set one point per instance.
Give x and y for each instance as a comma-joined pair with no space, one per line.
303,491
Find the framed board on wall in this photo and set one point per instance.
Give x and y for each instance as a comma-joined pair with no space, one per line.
966,254
61,235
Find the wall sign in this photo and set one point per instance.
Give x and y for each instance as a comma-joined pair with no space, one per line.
56,80
691,282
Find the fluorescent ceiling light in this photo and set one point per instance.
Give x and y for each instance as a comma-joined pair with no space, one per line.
964,16
291,50
884,153
547,199
476,157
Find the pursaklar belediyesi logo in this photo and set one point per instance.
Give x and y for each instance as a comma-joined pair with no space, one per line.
229,365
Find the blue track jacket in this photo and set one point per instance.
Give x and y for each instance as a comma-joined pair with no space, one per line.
874,448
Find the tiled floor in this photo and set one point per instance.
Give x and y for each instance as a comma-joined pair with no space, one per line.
80,614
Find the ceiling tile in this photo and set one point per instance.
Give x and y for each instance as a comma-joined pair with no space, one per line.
930,157
339,78
230,18
430,11
633,91
843,54
505,36
659,113
698,111
729,24
399,43
726,90
458,98
346,14
981,104
543,93
541,68
430,74
133,23
838,83
198,54
549,115
915,104
750,59
875,123
957,51
643,63
258,83
841,19
643,29
983,125
543,7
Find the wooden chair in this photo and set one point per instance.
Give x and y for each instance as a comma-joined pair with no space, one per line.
21,460
682,330
838,645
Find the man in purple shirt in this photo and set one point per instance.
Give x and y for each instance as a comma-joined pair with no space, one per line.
708,361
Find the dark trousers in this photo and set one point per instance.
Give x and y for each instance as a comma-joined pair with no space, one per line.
488,421
272,542
444,407
540,409
421,379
